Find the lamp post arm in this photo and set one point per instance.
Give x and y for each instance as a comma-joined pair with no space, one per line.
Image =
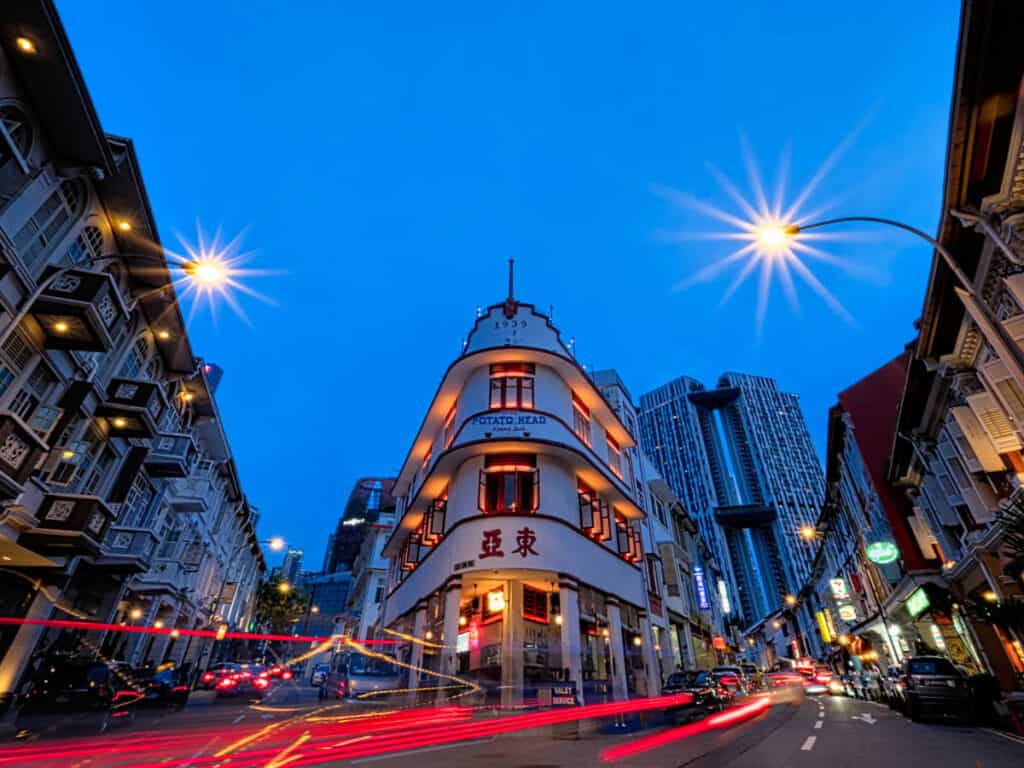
943,251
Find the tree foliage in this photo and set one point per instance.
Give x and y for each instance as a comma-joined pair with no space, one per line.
279,609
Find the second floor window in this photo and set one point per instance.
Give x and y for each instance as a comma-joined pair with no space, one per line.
580,419
595,517
614,457
512,385
509,484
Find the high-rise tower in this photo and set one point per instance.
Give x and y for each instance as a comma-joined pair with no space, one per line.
740,457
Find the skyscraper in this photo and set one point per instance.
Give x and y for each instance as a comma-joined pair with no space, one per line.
369,498
741,459
291,568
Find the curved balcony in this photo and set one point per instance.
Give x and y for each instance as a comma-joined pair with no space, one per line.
513,431
171,455
497,544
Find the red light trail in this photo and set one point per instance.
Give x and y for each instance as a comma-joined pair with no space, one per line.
655,740
96,626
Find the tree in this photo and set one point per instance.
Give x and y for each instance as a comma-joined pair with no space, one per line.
277,607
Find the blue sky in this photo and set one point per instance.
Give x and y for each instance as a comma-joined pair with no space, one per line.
392,157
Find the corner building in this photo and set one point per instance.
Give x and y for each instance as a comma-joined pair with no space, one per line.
517,547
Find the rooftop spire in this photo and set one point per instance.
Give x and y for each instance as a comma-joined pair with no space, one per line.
510,302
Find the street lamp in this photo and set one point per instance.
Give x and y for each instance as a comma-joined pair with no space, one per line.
807,532
275,544
284,587
790,600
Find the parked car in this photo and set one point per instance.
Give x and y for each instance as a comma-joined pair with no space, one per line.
319,673
354,675
934,686
708,694
167,687
213,674
70,685
731,678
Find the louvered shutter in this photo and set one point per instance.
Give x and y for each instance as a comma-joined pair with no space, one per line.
984,453
994,422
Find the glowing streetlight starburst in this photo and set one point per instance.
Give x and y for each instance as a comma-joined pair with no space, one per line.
209,270
766,229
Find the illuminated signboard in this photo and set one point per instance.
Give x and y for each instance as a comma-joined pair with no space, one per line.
718,642
723,596
823,627
462,642
702,588
839,590
917,602
882,552
847,613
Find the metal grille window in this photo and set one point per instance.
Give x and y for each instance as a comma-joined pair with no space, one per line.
136,359
137,501
87,247
16,136
614,457
595,517
50,221
169,545
580,419
627,538
509,484
18,351
512,385
98,473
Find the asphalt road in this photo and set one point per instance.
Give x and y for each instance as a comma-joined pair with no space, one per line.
292,727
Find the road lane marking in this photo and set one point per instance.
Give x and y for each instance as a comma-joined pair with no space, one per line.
817,725
438,748
1005,735
239,719
809,744
865,718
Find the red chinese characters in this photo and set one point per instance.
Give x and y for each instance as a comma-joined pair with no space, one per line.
491,544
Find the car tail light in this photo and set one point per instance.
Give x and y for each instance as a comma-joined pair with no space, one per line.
264,675
208,677
730,680
823,677
261,682
227,682
286,675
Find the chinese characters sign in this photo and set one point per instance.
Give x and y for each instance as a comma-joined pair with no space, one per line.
702,588
491,543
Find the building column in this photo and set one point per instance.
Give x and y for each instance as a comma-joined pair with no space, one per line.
572,651
650,658
619,689
416,651
14,662
668,659
512,637
447,662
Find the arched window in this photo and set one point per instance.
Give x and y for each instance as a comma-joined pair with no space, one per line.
16,137
88,246
50,221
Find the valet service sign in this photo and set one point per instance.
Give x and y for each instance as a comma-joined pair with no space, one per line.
508,422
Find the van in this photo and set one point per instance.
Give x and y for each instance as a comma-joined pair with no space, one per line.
357,675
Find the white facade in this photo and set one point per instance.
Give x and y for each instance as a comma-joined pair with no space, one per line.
518,545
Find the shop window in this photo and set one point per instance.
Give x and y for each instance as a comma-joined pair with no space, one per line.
595,517
509,484
614,457
512,385
410,555
580,419
627,539
535,604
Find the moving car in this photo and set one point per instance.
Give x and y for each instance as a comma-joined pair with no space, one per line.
166,687
212,675
731,678
242,683
357,675
819,679
280,672
708,694
932,685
